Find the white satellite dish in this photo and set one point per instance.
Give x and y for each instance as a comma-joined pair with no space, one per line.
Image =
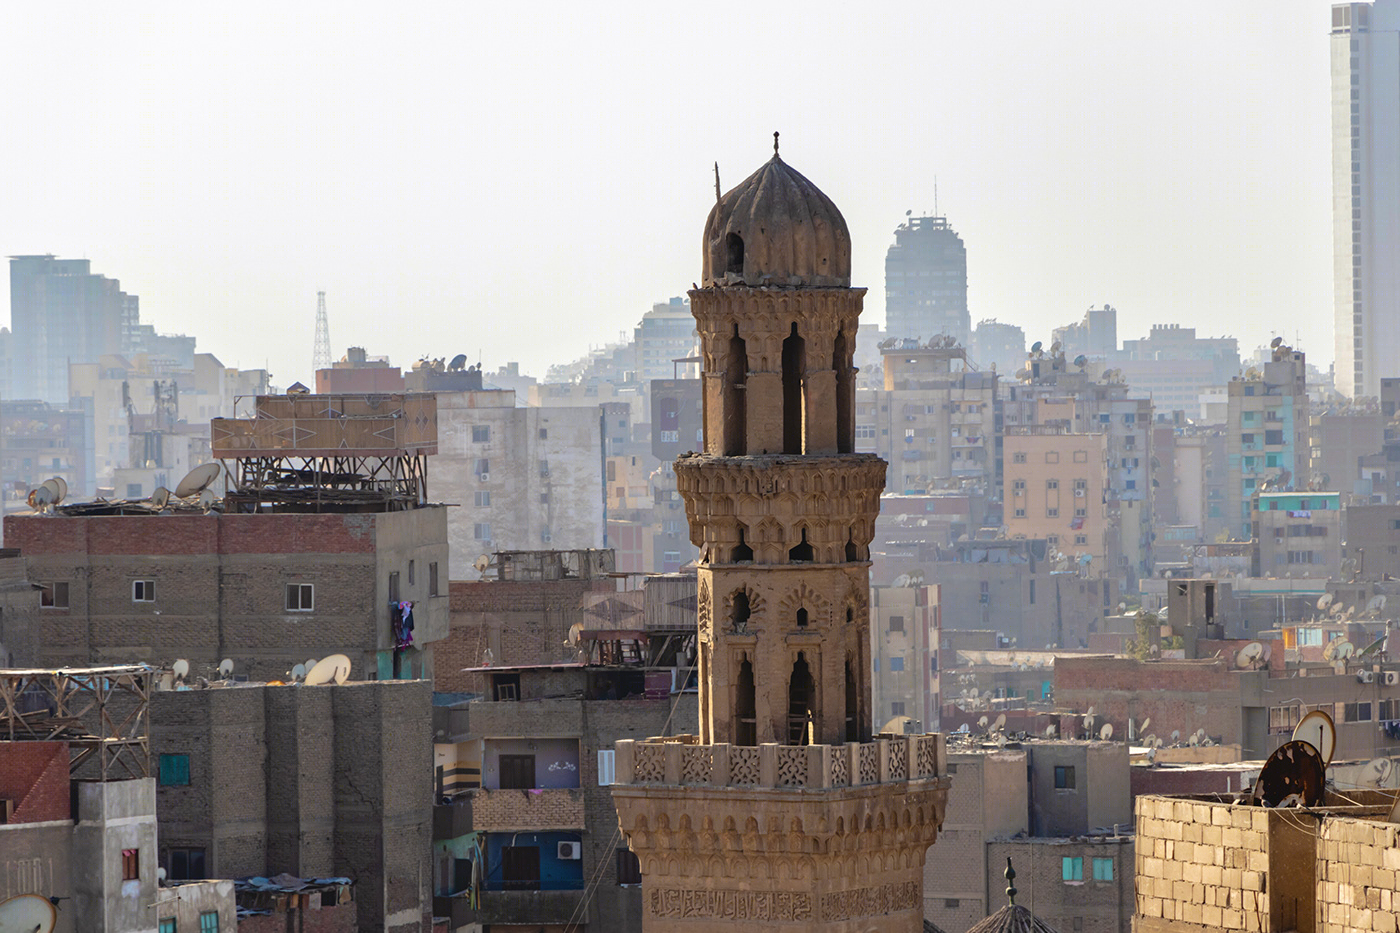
1377,772
161,497
1050,731
40,497
1149,740
197,480
1144,724
181,668
1106,732
1250,657
1194,740
62,485
1317,729
27,913
1176,736
1000,723
225,668
1376,604
982,723
207,499
310,663
1324,601
335,668
298,671
1345,650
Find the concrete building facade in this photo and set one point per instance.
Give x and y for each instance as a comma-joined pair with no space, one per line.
926,282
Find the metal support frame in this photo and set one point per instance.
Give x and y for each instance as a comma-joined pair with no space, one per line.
389,483
61,705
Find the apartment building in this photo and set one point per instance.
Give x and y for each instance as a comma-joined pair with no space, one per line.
1056,490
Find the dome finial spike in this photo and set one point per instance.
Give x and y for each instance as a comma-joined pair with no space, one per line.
1010,882
775,142
717,194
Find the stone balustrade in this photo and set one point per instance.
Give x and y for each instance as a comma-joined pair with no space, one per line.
681,760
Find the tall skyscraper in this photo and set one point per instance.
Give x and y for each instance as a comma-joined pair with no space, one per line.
926,282
1366,193
60,313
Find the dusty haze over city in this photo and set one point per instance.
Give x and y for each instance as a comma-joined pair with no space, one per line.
523,184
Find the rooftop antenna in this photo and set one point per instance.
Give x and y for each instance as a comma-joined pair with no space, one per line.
321,352
717,195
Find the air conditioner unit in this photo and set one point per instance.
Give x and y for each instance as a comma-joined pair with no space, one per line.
570,851
1392,678
483,477
547,538
1365,677
1079,494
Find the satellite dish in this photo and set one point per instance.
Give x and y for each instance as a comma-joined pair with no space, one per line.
310,663
1376,772
1194,740
1294,772
1317,729
1249,657
1376,604
53,491
62,485
1000,722
1050,731
1330,652
225,668
459,362
298,671
160,874
181,668
1345,650
197,480
482,563
1150,741
335,668
982,723
29,913
1275,343
161,497
1091,711
1106,732
207,499
1176,736
1144,724
1035,347
39,497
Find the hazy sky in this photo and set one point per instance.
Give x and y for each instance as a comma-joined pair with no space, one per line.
523,183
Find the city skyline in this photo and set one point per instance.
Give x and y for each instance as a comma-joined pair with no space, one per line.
1084,155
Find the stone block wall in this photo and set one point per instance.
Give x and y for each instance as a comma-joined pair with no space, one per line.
1358,876
1203,864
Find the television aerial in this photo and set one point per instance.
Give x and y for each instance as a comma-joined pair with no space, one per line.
334,668
225,668
197,480
181,669
30,913
1106,732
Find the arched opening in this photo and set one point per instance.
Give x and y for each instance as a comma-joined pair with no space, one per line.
794,366
801,550
802,618
852,713
740,615
745,720
734,254
735,398
742,551
706,727
845,397
852,552
850,615
801,703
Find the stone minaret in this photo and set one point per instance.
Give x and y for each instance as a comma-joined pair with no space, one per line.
783,811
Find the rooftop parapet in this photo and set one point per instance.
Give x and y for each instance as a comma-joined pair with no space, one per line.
330,426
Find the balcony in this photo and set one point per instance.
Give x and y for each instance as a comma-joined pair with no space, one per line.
534,810
454,819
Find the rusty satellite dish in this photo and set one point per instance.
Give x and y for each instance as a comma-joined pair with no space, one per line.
1294,775
1317,729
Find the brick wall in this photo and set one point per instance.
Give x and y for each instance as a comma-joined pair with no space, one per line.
339,919
34,776
1201,863
1358,876
1087,905
520,810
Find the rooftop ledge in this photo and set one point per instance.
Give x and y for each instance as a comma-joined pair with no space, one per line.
682,760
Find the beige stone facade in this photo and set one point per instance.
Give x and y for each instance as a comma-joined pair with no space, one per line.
1056,484
782,812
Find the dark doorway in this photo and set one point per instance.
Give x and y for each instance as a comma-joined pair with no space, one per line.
745,717
735,397
741,610
734,254
794,370
801,551
517,772
845,396
742,551
520,868
801,690
852,713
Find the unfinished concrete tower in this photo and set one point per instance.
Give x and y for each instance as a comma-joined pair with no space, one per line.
783,811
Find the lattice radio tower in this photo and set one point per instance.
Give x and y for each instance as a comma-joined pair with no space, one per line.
321,353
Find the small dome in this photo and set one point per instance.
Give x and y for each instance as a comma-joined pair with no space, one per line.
777,228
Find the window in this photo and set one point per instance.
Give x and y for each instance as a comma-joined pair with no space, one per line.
209,922
143,591
1273,437
432,578
481,433
482,498
1020,513
1018,458
184,864
517,772
606,767
174,770
394,587
1052,513
1052,484
1103,869
167,925
301,597
1019,486
896,623
1081,539
520,868
1071,869
1064,777
670,437
133,491
482,531
896,664
54,596
544,434
629,870
951,903
896,708
410,572
483,465
131,865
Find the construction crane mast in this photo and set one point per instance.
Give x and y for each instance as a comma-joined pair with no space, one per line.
321,353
